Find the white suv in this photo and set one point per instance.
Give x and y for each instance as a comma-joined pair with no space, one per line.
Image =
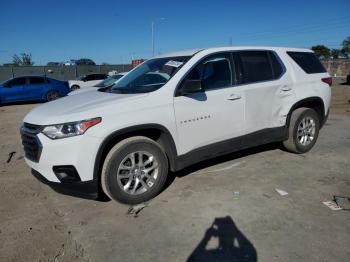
172,111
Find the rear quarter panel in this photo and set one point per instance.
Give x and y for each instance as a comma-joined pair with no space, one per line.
309,85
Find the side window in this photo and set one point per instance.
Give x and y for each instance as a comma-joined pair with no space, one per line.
36,80
214,72
255,66
100,76
308,62
21,81
277,68
89,78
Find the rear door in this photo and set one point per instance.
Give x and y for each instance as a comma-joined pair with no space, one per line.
13,90
267,88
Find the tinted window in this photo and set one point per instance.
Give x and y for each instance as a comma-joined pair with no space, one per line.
36,80
308,62
255,66
214,72
277,68
17,82
100,76
89,78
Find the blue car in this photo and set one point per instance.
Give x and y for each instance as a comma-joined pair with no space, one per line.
32,88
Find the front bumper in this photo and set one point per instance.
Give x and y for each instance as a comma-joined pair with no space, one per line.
83,189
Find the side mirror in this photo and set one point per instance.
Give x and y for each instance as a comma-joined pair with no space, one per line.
191,86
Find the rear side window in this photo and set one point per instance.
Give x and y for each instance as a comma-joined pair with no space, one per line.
308,62
255,66
36,80
100,76
277,68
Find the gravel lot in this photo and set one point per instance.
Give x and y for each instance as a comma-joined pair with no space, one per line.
198,217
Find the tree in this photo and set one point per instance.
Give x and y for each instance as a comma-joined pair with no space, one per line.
346,47
336,53
23,60
321,51
16,60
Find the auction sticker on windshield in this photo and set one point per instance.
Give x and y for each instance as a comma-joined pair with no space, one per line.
174,63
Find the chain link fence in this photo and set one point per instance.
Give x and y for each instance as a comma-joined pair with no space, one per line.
59,72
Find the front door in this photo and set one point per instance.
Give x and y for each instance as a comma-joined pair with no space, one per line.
13,90
214,115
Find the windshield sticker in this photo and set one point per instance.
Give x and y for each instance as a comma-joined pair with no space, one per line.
174,63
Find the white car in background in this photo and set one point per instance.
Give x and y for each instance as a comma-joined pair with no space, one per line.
86,80
108,82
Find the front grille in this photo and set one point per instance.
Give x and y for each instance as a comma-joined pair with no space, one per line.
30,141
31,128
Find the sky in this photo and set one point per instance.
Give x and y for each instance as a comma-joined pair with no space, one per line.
118,31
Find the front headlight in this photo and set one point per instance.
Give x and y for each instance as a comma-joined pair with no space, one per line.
70,129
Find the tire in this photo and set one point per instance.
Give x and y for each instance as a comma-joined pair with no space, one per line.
303,140
52,95
119,170
74,87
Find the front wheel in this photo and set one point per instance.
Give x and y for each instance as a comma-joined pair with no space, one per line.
52,95
134,171
303,130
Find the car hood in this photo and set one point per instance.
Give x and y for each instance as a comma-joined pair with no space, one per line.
84,90
78,107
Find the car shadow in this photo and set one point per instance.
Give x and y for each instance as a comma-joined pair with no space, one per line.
218,160
232,244
22,103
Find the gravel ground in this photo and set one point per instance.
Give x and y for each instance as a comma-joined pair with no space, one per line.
198,217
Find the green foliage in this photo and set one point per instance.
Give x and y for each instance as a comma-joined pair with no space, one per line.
346,47
336,53
23,60
321,51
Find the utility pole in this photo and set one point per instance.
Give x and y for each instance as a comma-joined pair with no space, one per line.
230,41
152,32
152,28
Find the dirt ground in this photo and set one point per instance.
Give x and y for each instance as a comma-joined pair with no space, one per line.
198,217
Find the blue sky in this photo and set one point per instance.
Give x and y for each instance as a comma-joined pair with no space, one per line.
115,31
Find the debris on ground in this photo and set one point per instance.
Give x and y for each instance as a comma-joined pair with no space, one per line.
281,192
342,202
332,205
10,156
236,194
135,210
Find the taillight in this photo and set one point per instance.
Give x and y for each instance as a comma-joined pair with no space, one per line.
327,80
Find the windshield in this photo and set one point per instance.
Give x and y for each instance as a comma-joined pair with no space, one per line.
109,81
149,76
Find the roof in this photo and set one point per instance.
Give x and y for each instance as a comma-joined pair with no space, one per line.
231,48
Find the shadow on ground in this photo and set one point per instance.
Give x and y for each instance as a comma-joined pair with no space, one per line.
232,244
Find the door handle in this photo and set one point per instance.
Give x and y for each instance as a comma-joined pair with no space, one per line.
286,88
234,97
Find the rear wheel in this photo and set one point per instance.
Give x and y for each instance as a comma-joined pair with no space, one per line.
303,130
74,87
135,170
52,95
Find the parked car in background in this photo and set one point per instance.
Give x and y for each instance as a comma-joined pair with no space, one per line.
108,82
111,80
32,88
54,64
86,80
71,62
85,61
